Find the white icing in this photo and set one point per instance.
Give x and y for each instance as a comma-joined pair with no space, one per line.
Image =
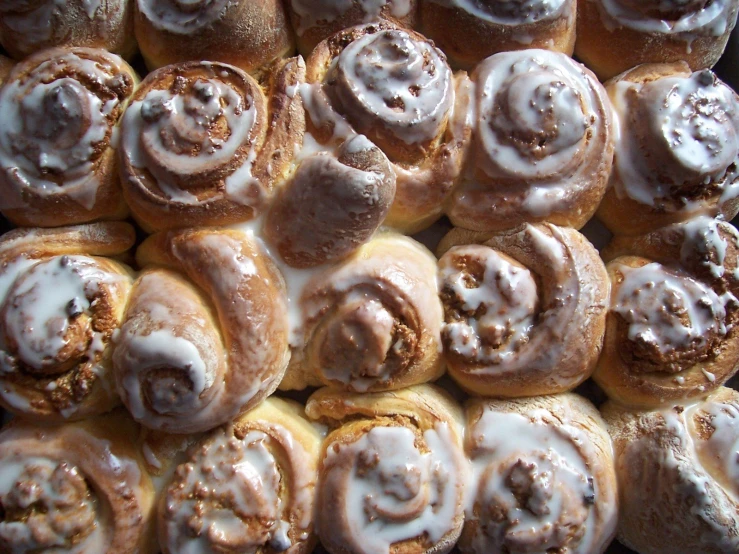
54,129
183,17
667,310
394,492
693,123
723,443
314,12
702,235
511,12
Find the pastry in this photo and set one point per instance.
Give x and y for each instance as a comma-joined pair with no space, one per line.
205,335
203,144
542,144
60,108
524,313
678,149
62,301
542,477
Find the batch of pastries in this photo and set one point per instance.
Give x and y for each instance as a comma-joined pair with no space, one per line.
220,331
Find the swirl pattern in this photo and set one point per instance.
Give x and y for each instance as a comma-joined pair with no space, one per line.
60,308
542,147
197,142
509,305
180,367
56,158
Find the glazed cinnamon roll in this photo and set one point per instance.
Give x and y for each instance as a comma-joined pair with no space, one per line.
244,33
469,31
28,26
57,163
542,144
392,471
316,20
203,144
246,487
205,335
76,488
542,479
61,306
372,322
616,35
524,313
396,88
671,331
678,150
677,471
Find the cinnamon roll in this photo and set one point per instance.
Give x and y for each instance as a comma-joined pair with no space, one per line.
316,20
61,306
469,31
678,151
524,313
57,164
396,88
542,477
78,488
392,471
677,470
246,487
616,35
371,322
29,26
203,144
205,335
542,145
244,33
671,331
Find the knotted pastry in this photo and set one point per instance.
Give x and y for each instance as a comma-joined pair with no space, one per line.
524,313
246,487
205,337
203,145
678,151
671,331
543,477
469,31
677,470
396,88
243,33
372,322
542,144
392,471
57,163
28,26
78,488
616,35
61,305
316,20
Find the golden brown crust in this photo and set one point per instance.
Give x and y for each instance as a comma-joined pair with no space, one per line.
204,338
57,161
610,49
316,20
677,475
468,37
412,437
259,473
6,65
419,118
524,312
654,183
371,322
669,337
91,493
61,305
204,144
542,144
31,26
244,33
542,476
